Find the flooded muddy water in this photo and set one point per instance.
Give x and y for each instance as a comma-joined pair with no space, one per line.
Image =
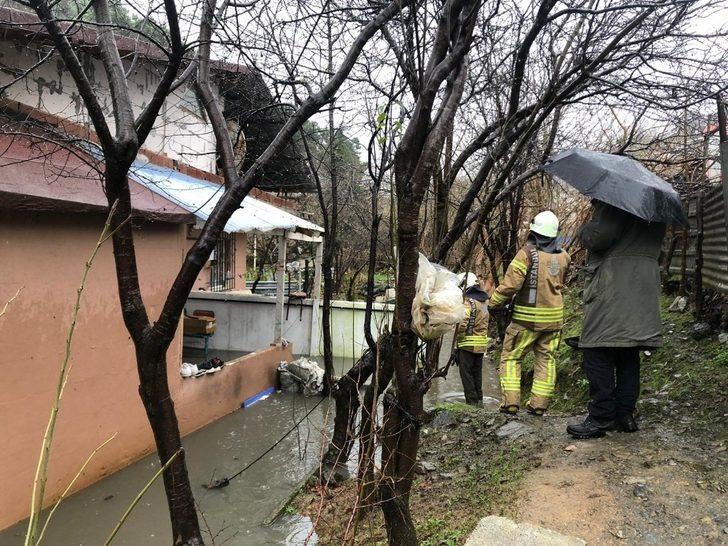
234,515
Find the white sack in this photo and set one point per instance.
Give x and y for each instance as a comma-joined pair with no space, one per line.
302,375
438,304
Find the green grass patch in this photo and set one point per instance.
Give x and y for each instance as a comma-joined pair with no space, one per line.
474,476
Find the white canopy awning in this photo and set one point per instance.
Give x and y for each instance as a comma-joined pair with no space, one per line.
200,197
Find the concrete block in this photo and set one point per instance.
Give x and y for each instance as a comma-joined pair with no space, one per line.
498,531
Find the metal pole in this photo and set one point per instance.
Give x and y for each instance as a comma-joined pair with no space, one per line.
280,288
316,301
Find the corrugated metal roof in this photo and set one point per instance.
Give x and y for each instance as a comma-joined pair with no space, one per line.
200,197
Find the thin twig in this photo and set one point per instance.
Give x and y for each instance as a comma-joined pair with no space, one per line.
7,303
70,485
41,473
139,497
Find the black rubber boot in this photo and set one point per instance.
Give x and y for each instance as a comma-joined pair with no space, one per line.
626,423
589,429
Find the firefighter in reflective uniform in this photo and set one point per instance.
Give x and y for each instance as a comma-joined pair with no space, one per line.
533,282
472,339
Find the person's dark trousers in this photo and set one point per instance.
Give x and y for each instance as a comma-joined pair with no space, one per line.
471,374
614,381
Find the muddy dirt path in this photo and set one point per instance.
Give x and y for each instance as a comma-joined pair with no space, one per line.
663,485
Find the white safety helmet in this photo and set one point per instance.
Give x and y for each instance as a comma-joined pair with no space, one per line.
466,280
545,223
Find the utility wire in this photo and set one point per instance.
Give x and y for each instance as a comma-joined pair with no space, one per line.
225,481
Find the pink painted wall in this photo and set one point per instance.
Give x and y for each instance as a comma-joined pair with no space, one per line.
46,253
201,400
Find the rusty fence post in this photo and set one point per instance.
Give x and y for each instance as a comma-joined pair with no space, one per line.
682,291
669,254
698,270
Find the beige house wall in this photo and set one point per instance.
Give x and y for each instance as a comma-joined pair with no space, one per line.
181,132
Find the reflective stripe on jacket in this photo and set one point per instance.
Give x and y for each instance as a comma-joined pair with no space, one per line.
473,330
534,280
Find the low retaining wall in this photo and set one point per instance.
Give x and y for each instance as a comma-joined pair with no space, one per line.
202,400
247,321
99,402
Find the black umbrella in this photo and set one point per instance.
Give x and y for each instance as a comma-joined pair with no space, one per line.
619,181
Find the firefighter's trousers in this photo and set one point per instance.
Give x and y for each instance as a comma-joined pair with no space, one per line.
471,374
518,341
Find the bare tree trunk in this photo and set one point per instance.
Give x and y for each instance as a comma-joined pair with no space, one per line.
155,395
374,237
151,365
367,432
414,163
399,452
330,239
403,410
441,192
326,267
352,282
371,270
514,208
346,397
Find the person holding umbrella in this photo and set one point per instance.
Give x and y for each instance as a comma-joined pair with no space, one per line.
630,209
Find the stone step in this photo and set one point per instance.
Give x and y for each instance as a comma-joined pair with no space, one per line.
499,531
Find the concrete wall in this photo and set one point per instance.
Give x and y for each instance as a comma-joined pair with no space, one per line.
245,322
180,132
46,254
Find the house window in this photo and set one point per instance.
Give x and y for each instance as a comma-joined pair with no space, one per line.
222,270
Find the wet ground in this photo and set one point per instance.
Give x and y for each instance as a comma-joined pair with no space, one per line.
236,514
665,485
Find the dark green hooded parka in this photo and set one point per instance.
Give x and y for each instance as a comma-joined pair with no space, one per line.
622,290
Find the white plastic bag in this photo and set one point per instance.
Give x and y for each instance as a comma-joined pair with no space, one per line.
302,375
438,304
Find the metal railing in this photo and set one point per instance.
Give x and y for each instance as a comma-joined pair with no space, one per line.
269,288
222,271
